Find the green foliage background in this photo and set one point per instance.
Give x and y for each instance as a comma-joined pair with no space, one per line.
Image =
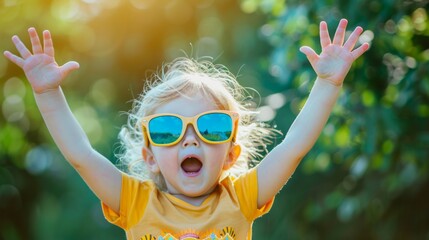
366,178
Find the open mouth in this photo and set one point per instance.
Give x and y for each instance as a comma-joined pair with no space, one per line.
191,166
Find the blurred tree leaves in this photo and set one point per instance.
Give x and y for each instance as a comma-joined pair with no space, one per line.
367,177
372,155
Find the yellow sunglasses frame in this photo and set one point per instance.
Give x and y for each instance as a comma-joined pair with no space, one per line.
185,122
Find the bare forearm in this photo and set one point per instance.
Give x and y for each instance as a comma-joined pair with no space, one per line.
310,122
63,126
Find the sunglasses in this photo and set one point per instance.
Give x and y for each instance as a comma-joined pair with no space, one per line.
212,127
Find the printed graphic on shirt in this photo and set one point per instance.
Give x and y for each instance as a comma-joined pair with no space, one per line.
227,233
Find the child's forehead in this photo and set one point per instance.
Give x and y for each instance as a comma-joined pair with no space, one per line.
187,105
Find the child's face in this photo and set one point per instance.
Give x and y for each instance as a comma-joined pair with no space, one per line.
190,167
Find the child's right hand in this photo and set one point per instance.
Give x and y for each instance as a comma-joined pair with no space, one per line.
40,67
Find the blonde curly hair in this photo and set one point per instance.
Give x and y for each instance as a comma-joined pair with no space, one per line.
186,77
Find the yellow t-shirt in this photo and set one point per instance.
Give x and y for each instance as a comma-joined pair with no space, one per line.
228,213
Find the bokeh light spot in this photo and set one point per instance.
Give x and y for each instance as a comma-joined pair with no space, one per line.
14,86
275,70
420,19
359,166
329,129
366,37
13,108
38,160
249,6
404,25
342,137
322,161
368,98
267,30
347,209
10,3
65,10
276,100
411,62
390,26
266,114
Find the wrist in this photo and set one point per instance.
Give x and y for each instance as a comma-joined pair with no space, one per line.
40,92
327,86
49,100
338,83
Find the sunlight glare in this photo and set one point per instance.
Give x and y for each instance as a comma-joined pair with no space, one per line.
65,10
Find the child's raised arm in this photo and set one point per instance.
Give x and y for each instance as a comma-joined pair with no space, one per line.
45,77
331,67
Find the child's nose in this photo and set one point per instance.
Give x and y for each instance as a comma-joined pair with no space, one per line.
190,138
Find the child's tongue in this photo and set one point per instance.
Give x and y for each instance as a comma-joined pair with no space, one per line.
191,165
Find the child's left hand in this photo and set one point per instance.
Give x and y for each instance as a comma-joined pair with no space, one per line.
336,59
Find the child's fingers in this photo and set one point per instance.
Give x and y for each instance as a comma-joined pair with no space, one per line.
325,40
360,50
22,49
340,32
35,41
351,42
69,67
48,44
15,59
310,53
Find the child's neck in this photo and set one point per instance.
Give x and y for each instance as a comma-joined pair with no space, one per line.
195,201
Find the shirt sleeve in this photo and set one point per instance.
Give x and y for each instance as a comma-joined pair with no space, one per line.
246,188
133,193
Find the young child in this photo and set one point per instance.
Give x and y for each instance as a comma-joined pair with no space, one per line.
188,142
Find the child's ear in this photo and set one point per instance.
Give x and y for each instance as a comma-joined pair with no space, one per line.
234,153
150,160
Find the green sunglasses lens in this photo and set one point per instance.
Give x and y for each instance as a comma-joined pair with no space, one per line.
215,127
165,129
